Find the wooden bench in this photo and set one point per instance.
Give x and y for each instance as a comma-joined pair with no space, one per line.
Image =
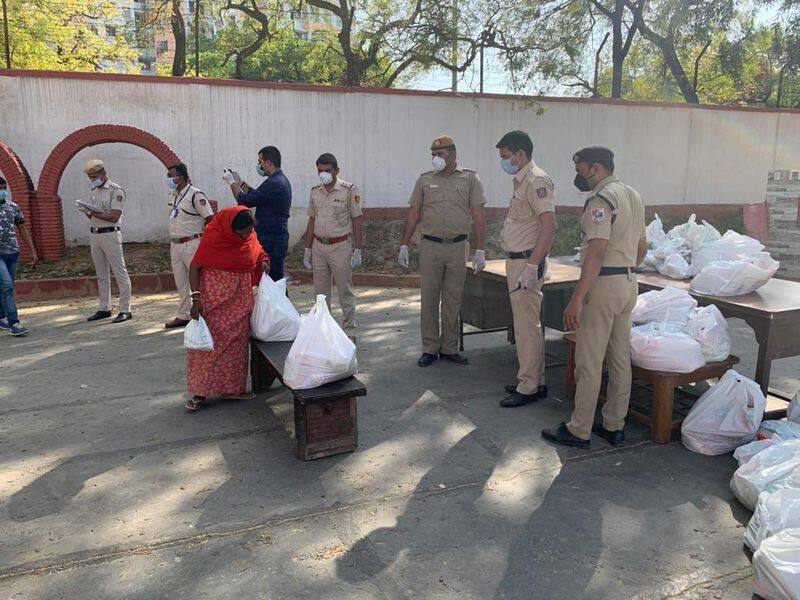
661,420
325,417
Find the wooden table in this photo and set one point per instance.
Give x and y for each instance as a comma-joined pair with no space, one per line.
773,311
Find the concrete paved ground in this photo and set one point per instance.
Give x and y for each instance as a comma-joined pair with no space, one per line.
109,489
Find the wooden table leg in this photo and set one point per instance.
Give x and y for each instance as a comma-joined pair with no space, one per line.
261,374
663,398
765,339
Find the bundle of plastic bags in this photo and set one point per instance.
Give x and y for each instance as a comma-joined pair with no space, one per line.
669,305
731,246
663,347
671,247
777,566
775,511
674,267
655,232
725,417
709,328
735,277
779,430
744,453
321,352
773,468
274,318
197,336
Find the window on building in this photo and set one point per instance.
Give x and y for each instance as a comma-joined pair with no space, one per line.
795,175
162,46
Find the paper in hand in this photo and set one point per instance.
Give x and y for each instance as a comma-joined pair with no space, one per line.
237,178
90,207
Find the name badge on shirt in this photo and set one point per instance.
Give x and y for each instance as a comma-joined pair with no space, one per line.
173,214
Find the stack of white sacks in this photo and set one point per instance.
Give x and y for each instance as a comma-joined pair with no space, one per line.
672,334
719,265
321,351
728,417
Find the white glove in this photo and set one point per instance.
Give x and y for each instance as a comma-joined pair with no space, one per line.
230,176
307,258
529,276
355,259
402,258
479,261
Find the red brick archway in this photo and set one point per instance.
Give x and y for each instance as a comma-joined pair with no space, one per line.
20,184
48,218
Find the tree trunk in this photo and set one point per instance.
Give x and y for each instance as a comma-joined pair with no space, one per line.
676,68
617,53
179,33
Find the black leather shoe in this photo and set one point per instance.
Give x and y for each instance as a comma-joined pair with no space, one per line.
426,359
456,358
615,438
122,317
564,437
176,322
541,392
100,314
517,399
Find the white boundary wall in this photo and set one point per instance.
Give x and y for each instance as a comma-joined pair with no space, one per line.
672,154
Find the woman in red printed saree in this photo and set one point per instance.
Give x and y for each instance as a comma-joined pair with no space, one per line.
228,263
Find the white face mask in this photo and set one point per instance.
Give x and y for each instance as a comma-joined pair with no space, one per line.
438,163
325,177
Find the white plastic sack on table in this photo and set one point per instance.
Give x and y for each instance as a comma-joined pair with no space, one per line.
767,471
737,277
674,267
274,318
660,347
793,411
710,232
725,417
692,233
780,430
679,231
708,326
744,453
649,262
775,511
670,305
731,246
196,335
776,564
670,247
321,352
655,232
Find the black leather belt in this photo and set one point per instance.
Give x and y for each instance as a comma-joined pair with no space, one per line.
188,238
616,270
438,240
104,229
515,255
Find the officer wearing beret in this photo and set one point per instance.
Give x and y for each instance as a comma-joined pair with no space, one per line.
613,244
443,201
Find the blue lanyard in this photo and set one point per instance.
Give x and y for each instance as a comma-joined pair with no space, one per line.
177,201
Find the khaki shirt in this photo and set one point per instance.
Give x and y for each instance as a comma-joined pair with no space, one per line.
445,201
107,197
189,209
533,195
619,219
334,210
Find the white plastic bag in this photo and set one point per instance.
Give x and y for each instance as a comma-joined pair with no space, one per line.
674,267
710,232
725,417
775,511
731,246
744,453
766,471
693,234
670,305
708,326
673,246
655,233
737,277
776,564
321,352
197,336
649,263
660,347
274,318
779,430
793,411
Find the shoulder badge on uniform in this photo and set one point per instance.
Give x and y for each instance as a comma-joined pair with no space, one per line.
542,192
202,200
357,199
598,214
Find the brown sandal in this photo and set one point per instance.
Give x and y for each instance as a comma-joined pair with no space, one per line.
194,403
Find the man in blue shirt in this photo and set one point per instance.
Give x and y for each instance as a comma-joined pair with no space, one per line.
272,201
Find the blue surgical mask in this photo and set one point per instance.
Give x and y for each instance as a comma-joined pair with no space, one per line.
260,170
96,183
172,184
3,195
505,163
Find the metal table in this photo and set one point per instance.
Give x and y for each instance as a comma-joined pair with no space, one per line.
773,311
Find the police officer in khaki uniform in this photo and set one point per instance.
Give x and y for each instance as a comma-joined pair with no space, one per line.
106,203
334,209
442,203
613,245
189,213
528,233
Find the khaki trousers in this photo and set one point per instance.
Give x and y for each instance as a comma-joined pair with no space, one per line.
333,261
107,256
604,332
526,306
442,269
181,256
